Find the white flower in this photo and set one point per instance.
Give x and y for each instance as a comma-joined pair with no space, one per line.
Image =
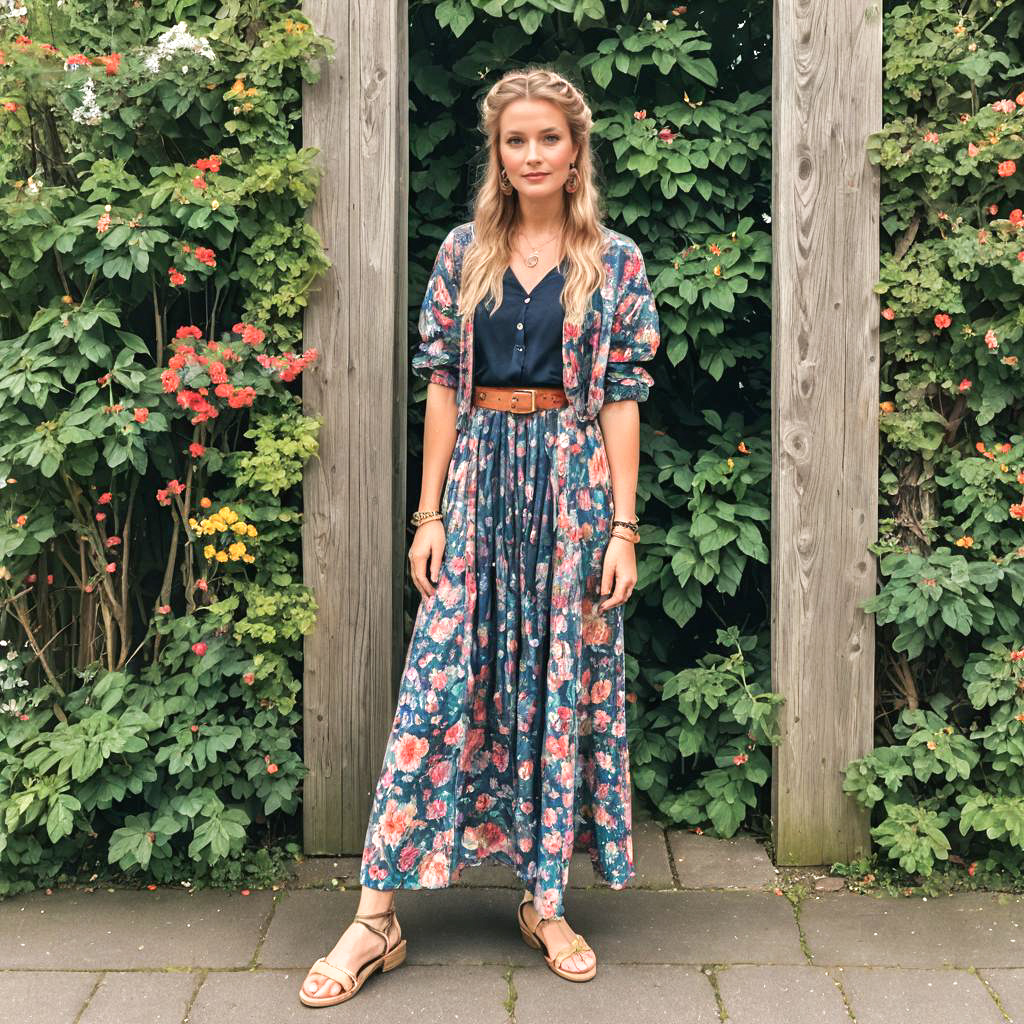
10,708
766,218
88,112
174,40
12,9
32,186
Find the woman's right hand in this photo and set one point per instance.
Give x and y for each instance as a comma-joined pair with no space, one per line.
427,547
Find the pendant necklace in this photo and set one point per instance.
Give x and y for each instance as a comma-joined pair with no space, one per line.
534,258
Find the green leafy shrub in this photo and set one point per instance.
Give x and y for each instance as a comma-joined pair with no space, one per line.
683,147
157,263
945,780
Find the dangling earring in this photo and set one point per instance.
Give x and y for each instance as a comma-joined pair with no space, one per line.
504,183
573,181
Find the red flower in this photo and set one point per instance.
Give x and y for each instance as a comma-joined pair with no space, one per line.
177,277
208,163
175,487
195,728
271,769
943,320
667,135
207,256
105,498
111,63
100,516
1006,168
250,335
199,182
162,497
10,106
740,759
202,585
111,567
141,415
189,331
249,678
931,136
171,381
31,578
112,542
164,609
196,450
965,385
889,313
1016,217
199,648
76,61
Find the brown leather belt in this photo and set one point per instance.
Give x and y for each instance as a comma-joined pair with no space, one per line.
509,399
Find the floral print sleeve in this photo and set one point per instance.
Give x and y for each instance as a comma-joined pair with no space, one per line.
635,334
437,358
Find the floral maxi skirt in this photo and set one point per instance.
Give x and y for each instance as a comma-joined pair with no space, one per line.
509,737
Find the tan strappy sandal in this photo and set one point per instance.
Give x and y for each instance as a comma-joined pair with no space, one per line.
386,961
532,938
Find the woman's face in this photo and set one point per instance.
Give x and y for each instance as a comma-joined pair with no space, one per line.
533,139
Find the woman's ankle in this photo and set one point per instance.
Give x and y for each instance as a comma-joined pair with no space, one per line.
375,901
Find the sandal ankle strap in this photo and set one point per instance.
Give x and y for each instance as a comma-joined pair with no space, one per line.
382,932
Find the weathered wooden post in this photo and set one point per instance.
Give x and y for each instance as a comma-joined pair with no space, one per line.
353,534
826,99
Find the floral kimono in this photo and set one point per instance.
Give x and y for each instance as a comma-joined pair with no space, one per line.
509,737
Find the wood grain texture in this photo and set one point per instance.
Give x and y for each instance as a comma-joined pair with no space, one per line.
827,99
353,530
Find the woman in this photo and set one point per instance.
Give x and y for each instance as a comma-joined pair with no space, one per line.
509,738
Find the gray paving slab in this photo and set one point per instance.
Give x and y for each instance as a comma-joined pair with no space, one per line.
156,997
1008,985
781,995
962,930
703,862
662,994
881,995
44,997
426,995
126,928
319,871
463,926
650,857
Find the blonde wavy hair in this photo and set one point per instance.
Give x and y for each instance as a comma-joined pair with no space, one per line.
495,215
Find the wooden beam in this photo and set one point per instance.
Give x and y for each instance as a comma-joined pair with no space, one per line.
354,539
826,100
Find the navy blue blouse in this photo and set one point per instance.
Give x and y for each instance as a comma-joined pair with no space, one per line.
521,344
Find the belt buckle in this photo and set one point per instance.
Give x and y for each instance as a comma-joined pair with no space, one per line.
533,398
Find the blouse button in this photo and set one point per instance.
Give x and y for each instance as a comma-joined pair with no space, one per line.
527,299
519,326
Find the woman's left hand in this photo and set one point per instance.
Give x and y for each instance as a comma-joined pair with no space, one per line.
619,571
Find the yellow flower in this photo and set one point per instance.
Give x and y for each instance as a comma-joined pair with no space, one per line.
209,551
222,556
192,523
239,527
218,524
251,530
248,558
236,550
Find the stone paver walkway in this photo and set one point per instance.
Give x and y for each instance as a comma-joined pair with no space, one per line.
701,937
